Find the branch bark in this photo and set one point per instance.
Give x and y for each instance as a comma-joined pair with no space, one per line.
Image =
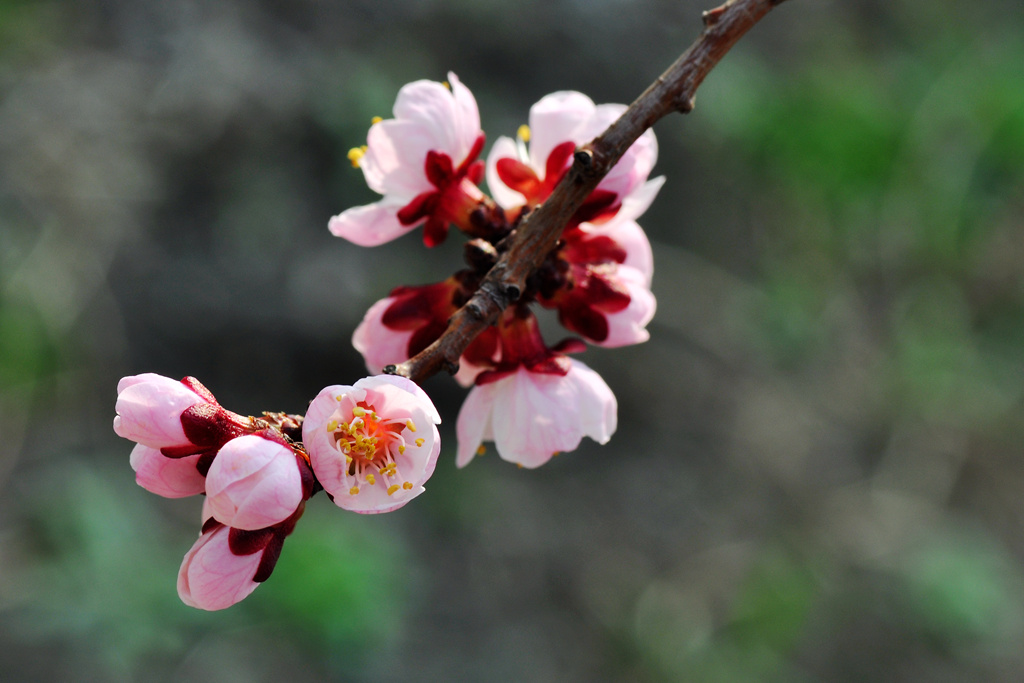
540,231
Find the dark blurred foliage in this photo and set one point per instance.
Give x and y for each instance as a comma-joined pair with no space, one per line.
818,474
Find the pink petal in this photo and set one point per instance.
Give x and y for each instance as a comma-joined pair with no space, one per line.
473,425
167,477
211,577
379,344
628,326
555,119
503,148
370,225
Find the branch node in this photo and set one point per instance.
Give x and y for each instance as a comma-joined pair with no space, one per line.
512,292
684,105
450,366
584,158
712,16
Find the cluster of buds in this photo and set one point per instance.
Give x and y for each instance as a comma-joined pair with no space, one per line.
529,398
370,446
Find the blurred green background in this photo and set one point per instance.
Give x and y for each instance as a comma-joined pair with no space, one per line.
818,473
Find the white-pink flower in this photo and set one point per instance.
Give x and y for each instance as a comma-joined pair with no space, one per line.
254,482
422,161
149,408
531,416
518,175
167,477
212,577
372,445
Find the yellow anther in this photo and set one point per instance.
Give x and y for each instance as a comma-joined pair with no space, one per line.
338,398
410,425
332,425
348,459
354,155
359,412
519,466
481,449
392,489
375,120
446,84
353,491
401,448
407,485
555,454
371,479
419,442
523,133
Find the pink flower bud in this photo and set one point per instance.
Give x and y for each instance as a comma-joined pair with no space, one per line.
532,416
168,477
372,445
254,483
211,576
149,409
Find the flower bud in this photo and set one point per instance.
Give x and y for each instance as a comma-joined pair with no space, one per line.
254,482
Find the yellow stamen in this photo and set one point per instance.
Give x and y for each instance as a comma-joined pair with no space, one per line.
354,155
481,449
354,490
401,448
358,412
410,425
446,84
392,489
375,120
523,133
371,479
332,425
407,485
419,442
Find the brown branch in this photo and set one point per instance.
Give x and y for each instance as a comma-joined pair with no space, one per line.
539,233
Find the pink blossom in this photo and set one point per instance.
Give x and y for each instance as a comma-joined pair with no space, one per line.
149,409
168,477
531,416
559,122
398,327
211,576
423,162
372,445
254,482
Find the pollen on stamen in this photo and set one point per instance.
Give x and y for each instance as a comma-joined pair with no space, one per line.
354,156
392,489
353,491
410,425
407,485
419,442
375,120
523,133
481,449
401,449
447,85
371,479
332,425
358,411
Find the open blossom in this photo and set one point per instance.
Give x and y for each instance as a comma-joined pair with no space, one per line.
423,162
531,416
606,295
398,327
535,401
256,481
372,445
519,176
225,565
